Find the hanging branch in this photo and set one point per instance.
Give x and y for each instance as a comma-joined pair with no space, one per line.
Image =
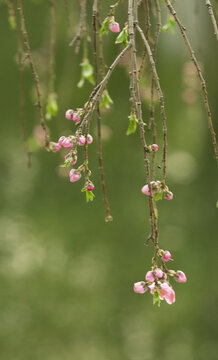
34,72
161,99
213,20
82,27
134,87
202,80
152,119
100,157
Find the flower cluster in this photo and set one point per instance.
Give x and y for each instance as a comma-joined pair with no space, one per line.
157,189
157,280
71,143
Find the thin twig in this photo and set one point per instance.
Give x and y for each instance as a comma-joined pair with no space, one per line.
161,99
34,72
213,20
81,34
100,157
202,80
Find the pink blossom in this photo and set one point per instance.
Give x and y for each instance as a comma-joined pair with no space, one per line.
69,114
180,277
73,162
74,175
166,256
82,140
168,195
159,273
149,276
66,143
151,287
90,187
154,147
167,293
89,139
56,147
76,117
61,139
114,27
145,190
140,287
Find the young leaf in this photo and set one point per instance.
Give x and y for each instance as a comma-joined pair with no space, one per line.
156,297
104,27
89,196
133,121
159,196
52,107
86,73
105,100
122,37
169,25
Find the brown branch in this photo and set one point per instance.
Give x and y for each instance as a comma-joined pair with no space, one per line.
202,80
161,99
213,20
81,34
100,157
34,72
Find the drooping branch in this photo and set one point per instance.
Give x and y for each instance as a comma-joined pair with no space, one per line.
213,19
96,27
34,71
161,99
202,80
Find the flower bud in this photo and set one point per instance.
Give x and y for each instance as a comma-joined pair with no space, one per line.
149,276
66,143
140,287
74,175
89,139
55,146
90,187
166,256
61,139
69,114
76,117
82,140
114,27
168,195
158,273
154,147
145,190
180,277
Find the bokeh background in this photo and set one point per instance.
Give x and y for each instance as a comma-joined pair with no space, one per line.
66,276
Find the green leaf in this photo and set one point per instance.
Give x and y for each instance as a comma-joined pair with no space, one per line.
169,25
133,121
12,22
122,37
51,107
86,74
80,83
156,297
105,27
105,100
89,196
66,164
159,196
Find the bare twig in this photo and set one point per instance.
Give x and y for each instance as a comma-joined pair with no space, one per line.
202,80
213,20
100,157
34,72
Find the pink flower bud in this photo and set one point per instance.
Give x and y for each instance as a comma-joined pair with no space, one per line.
114,27
151,287
166,256
140,287
90,187
159,273
61,139
145,190
82,140
180,277
76,117
55,146
149,276
74,175
154,147
69,114
66,143
89,139
168,195
73,162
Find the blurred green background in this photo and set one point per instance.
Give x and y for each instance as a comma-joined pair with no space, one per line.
66,276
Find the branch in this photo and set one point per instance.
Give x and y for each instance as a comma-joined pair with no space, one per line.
213,20
203,83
